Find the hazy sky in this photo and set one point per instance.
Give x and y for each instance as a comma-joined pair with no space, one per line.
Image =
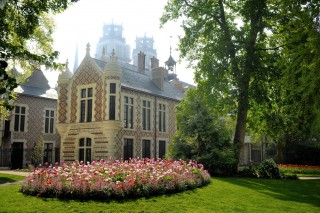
83,22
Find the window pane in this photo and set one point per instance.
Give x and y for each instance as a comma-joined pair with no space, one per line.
17,109
47,113
144,103
46,125
52,113
82,110
22,123
81,142
88,142
83,93
146,148
162,149
81,155
112,88
144,119
164,121
131,117
112,108
88,155
16,122
128,149
23,110
51,125
131,101
89,92
89,113
148,120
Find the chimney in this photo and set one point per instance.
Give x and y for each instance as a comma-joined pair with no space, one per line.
177,84
141,62
154,63
158,77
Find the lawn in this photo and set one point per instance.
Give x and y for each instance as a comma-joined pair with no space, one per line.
222,195
7,178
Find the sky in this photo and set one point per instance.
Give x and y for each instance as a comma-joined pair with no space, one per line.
82,23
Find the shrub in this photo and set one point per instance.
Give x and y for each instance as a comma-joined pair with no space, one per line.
269,169
248,172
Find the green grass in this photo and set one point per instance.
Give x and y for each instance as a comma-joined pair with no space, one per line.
222,195
7,178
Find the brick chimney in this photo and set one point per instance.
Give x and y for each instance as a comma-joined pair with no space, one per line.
158,76
177,84
141,62
154,63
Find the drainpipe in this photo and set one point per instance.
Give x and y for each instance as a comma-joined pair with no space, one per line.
155,127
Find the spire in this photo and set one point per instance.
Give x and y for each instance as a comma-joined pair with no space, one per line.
170,63
88,49
103,56
76,62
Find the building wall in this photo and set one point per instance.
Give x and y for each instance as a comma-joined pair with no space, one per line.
34,126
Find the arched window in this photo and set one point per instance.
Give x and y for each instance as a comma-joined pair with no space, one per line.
85,149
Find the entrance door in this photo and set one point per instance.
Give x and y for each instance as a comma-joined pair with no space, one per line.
16,155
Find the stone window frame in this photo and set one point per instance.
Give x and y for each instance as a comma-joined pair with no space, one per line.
54,120
79,89
151,114
25,119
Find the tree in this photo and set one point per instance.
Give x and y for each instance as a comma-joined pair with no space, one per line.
25,38
37,153
228,41
202,135
291,114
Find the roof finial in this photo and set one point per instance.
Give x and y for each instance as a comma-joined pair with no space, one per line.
103,56
113,56
88,49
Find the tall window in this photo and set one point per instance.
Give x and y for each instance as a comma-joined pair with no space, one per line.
19,118
85,149
162,117
162,149
49,121
48,151
112,104
128,149
146,115
128,112
146,148
86,105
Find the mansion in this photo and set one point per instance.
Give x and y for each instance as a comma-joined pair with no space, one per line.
105,108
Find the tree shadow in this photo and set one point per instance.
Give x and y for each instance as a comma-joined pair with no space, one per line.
6,180
303,191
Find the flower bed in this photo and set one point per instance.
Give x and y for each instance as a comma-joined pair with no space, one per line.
299,169
115,179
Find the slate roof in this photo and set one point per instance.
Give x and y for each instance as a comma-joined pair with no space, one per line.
134,80
37,85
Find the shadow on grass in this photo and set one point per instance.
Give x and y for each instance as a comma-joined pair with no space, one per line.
304,191
7,180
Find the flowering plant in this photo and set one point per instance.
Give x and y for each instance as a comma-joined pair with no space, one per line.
299,169
111,178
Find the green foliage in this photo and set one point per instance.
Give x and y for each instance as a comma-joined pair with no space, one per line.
202,135
26,39
37,153
269,169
